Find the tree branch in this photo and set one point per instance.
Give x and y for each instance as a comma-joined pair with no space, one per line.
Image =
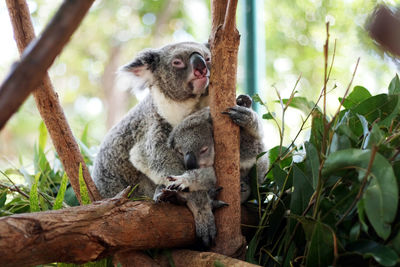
224,43
49,106
37,58
86,233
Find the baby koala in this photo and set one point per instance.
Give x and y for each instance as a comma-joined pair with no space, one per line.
193,140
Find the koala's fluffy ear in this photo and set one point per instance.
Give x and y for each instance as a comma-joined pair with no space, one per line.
146,61
139,72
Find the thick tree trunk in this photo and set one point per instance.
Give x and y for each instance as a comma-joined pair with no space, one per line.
29,72
224,41
49,106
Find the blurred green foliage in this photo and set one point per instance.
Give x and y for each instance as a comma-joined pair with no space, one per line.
333,201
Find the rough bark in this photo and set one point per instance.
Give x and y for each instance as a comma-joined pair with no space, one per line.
224,41
27,75
184,258
49,106
87,233
91,232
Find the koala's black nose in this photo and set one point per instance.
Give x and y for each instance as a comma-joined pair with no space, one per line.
190,161
198,64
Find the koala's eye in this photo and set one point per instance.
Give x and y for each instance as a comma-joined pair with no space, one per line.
177,63
204,149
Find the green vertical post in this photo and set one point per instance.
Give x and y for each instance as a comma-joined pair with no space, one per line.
253,54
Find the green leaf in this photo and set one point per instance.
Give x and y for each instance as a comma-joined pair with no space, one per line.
42,136
3,198
300,103
396,242
358,95
84,136
82,187
374,137
312,162
268,116
394,86
320,252
361,215
217,263
279,177
34,195
381,195
339,142
302,191
382,106
61,192
317,129
368,248
256,98
274,153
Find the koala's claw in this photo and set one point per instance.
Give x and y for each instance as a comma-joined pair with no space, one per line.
206,233
178,184
171,196
216,204
213,192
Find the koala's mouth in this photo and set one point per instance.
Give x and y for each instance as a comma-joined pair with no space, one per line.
199,85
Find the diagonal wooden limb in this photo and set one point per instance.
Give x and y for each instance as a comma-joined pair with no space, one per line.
48,104
37,58
91,232
224,42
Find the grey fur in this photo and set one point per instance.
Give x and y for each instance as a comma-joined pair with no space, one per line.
135,150
195,133
194,137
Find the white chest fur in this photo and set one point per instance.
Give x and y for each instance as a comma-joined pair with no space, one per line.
172,111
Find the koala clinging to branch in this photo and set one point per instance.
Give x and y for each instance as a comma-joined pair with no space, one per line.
193,141
135,150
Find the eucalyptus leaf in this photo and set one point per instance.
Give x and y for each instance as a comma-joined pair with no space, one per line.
373,137
383,107
300,103
381,195
358,95
3,198
268,116
302,191
394,86
320,251
312,162
368,248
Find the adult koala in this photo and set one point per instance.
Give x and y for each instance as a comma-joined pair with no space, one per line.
135,150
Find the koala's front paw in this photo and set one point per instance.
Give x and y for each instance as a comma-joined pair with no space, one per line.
171,196
178,183
206,231
242,116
